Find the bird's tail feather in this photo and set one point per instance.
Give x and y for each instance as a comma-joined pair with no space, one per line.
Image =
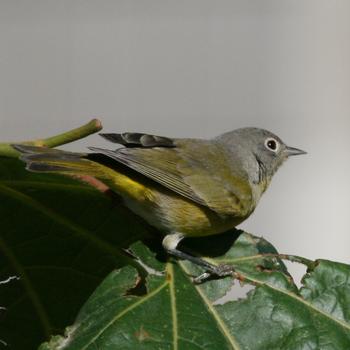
83,166
42,159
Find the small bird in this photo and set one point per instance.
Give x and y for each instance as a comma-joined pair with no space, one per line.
184,187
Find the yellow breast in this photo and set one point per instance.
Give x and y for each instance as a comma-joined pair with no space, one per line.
165,209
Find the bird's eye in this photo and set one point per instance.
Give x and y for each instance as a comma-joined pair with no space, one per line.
272,144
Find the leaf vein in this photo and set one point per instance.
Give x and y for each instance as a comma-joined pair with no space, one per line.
170,271
126,310
233,342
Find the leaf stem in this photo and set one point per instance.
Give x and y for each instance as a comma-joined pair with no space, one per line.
92,127
291,258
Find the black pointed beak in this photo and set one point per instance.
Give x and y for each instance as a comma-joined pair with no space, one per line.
291,151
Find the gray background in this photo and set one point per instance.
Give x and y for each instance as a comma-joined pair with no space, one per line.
197,68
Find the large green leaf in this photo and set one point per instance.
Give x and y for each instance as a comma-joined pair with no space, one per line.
61,238
176,314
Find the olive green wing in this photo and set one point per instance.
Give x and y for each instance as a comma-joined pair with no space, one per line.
195,169
206,169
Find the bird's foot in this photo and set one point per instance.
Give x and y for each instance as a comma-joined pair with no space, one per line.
222,270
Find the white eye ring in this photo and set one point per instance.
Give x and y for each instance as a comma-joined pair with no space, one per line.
272,144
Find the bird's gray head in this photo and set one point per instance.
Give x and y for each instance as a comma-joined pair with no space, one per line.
260,151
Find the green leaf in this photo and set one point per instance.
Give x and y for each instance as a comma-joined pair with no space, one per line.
61,238
176,314
327,288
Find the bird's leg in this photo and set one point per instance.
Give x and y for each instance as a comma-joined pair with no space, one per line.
170,243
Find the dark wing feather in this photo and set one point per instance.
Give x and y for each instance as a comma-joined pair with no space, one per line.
134,139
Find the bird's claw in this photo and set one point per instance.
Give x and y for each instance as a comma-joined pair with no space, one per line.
222,270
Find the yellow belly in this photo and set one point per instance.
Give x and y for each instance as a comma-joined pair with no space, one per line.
192,219
167,210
